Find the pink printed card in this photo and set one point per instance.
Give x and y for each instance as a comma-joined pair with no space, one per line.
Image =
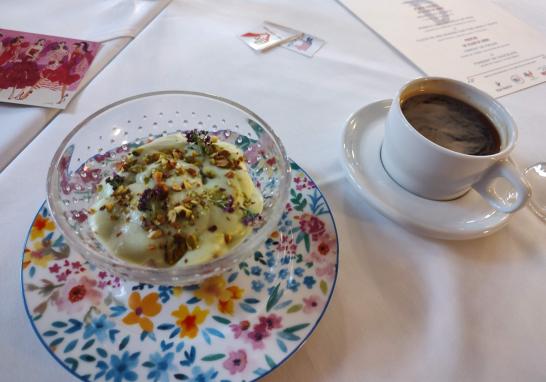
42,70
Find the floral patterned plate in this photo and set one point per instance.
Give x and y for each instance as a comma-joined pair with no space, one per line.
234,327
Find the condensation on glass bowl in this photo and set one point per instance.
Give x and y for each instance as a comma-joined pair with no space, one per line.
90,151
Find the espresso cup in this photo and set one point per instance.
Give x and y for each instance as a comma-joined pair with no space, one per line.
434,172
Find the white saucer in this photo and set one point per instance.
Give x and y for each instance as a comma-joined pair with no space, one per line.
468,217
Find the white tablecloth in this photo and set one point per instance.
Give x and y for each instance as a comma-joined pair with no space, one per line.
406,308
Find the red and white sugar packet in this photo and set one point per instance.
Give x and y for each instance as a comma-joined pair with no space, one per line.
269,35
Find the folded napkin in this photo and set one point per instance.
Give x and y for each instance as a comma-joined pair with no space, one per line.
113,22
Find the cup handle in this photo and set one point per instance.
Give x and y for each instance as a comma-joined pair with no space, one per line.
504,169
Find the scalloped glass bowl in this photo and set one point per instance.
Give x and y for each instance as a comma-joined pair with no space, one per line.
90,151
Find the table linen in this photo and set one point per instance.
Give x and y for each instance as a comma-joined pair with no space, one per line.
406,308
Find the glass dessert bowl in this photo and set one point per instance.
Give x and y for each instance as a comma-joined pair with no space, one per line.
94,149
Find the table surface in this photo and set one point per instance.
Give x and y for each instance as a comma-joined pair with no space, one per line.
406,308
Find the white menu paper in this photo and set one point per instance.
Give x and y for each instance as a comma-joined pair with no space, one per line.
473,41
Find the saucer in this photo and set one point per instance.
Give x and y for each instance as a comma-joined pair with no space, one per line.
467,217
237,326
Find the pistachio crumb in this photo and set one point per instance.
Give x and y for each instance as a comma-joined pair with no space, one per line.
228,238
157,176
155,234
191,241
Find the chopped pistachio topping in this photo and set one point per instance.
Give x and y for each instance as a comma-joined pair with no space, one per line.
178,197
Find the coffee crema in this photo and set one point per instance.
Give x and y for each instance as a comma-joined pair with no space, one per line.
452,123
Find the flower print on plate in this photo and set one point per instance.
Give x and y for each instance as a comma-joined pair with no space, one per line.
232,327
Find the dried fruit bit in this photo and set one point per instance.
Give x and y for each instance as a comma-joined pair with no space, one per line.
250,218
120,166
121,190
228,207
223,159
222,162
192,171
159,219
179,170
150,194
200,138
115,181
155,234
175,249
230,174
135,168
228,238
177,154
108,207
212,228
175,211
151,158
157,176
145,199
191,241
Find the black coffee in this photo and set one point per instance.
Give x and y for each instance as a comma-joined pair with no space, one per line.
452,123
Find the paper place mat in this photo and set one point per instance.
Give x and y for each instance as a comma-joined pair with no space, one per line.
472,41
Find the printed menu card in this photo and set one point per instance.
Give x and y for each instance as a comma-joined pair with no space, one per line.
472,41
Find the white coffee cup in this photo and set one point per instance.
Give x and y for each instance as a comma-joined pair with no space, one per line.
434,172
